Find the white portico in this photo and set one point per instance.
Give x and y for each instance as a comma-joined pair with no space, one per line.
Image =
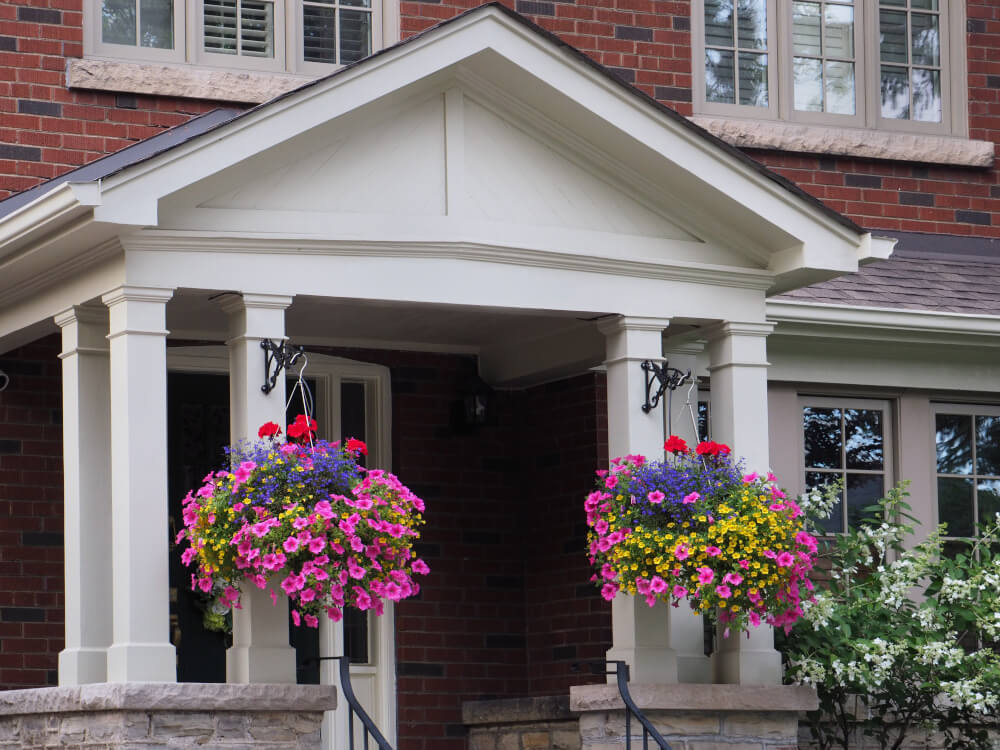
478,188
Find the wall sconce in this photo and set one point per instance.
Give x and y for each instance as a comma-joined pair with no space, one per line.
477,403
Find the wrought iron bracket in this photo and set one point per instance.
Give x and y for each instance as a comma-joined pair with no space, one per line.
276,358
663,377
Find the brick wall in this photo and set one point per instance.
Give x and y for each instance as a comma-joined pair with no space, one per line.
31,522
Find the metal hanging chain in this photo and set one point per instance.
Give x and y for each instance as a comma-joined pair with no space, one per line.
687,405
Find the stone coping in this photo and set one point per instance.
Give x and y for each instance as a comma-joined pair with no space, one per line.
697,697
517,710
168,696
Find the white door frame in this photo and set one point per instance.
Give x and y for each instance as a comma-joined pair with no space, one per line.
329,372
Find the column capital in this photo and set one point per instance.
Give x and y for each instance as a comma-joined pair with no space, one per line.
737,328
89,312
239,301
129,293
618,323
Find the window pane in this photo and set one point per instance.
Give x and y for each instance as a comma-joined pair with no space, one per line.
835,523
926,40
357,3
926,95
806,38
808,84
355,35
822,437
862,490
988,446
955,505
257,28
156,23
925,4
895,92
118,22
719,23
752,24
839,83
953,439
838,32
753,79
892,39
863,434
319,34
220,26
720,79
988,499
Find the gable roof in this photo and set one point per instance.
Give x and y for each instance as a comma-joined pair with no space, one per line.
200,126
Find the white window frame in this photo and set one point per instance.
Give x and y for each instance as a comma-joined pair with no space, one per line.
954,108
974,410
888,443
189,47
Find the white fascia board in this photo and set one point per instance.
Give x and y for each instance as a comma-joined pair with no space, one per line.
820,320
62,205
875,248
768,205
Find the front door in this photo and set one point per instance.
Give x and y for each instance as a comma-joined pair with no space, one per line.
198,428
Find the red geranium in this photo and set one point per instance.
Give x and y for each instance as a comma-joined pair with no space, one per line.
303,428
711,448
675,444
268,430
356,446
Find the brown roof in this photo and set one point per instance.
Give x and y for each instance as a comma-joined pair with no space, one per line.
941,273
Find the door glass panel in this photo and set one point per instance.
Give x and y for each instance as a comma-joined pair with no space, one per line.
862,490
955,505
953,439
822,437
863,435
988,499
835,523
988,445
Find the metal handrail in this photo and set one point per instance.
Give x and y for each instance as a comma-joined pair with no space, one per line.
356,709
631,709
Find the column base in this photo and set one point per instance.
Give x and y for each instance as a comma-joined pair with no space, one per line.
252,664
82,666
647,664
748,660
142,662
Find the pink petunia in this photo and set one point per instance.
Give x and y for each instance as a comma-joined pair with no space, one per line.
723,591
657,585
311,621
705,575
751,478
642,586
608,591
734,578
692,498
296,617
610,482
754,619
682,552
291,544
712,551
785,560
679,591
745,564
316,545
655,497
419,566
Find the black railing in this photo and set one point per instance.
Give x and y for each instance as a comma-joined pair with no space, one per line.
355,709
631,709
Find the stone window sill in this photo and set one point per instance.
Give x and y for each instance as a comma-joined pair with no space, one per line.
866,144
188,81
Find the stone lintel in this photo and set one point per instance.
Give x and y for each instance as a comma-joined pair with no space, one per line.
693,697
839,141
516,710
168,696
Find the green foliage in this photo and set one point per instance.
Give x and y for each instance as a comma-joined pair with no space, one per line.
900,639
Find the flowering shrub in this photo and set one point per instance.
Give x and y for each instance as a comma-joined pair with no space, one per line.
304,514
695,527
910,634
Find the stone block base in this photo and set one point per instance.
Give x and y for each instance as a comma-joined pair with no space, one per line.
522,724
153,716
695,717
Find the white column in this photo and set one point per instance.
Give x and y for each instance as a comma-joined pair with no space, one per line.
141,650
738,366
687,628
640,634
260,650
87,493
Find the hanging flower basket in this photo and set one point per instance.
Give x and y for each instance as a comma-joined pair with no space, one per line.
305,515
695,528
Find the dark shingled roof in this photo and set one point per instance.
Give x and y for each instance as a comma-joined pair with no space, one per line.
940,273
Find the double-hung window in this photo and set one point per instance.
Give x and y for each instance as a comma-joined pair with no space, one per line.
293,36
846,441
967,466
856,63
